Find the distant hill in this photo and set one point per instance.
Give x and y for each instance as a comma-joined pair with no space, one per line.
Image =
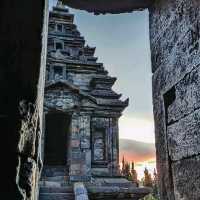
136,151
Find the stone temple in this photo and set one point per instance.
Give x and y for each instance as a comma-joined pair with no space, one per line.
175,49
81,110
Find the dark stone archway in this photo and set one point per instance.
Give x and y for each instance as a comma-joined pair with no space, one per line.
23,35
57,127
174,38
109,6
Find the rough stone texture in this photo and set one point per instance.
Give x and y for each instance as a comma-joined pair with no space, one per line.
186,178
187,96
116,192
174,38
80,191
80,154
53,185
23,36
108,188
109,6
183,137
105,142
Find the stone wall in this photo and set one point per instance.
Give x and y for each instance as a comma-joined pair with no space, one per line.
174,36
79,151
23,36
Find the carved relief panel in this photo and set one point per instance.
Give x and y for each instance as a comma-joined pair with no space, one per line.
99,145
99,141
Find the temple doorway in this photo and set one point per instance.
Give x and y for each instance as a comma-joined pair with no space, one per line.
57,131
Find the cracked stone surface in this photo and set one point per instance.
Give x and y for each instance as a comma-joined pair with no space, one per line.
174,39
109,6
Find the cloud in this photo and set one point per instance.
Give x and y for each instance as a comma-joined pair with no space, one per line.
137,128
136,151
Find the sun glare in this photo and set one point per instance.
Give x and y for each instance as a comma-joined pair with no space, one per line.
140,129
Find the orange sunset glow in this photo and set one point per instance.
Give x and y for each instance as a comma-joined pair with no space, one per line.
137,143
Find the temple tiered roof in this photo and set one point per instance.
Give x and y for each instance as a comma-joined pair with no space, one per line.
74,62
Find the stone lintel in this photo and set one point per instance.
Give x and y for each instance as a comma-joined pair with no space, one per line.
109,6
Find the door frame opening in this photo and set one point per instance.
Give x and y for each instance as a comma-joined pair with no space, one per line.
57,119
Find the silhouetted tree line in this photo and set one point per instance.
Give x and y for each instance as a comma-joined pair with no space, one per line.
129,172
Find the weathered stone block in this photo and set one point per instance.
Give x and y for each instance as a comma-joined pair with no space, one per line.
80,192
76,166
174,36
186,179
28,173
170,20
112,6
100,171
183,137
85,143
88,162
75,143
187,96
76,155
29,130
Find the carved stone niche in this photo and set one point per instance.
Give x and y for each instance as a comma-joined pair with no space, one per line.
99,142
99,145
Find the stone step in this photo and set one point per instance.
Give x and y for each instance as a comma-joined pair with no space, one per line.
49,171
50,184
54,178
56,189
56,196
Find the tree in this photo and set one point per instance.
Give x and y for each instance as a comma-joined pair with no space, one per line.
155,184
126,169
133,174
127,173
147,179
155,174
123,166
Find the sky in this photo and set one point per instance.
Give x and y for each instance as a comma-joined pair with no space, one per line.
122,44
